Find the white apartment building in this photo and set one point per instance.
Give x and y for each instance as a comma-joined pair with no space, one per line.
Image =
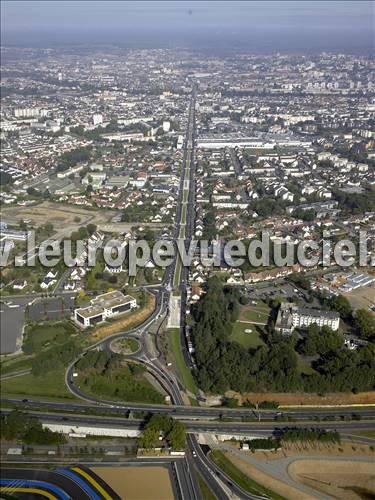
291,316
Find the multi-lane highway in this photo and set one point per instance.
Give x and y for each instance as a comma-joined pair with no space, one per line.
194,427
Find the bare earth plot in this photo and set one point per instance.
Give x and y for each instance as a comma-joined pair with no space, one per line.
269,481
299,399
344,479
362,298
294,471
138,483
61,216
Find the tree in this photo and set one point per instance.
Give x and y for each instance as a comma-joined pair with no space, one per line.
364,322
320,341
341,305
17,425
173,431
150,438
91,228
177,435
5,178
49,227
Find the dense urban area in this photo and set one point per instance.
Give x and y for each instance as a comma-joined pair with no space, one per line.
224,381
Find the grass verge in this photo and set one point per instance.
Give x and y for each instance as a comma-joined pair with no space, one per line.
14,364
205,490
177,273
50,386
185,373
239,477
368,434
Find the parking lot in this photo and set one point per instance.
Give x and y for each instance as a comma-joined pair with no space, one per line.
52,308
12,320
276,289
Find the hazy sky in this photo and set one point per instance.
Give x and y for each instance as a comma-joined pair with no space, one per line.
330,23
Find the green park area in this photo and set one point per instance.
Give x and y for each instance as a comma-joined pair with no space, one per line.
108,376
48,349
51,386
304,368
15,363
247,330
246,334
255,313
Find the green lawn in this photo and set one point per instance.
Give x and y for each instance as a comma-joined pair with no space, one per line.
205,490
247,340
130,344
177,272
256,315
15,364
40,336
50,386
239,477
369,434
185,373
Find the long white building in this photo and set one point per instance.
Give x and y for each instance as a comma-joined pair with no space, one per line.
291,316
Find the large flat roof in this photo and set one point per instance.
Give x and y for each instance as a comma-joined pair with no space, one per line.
104,301
111,299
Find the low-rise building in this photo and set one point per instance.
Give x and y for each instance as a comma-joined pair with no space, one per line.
104,306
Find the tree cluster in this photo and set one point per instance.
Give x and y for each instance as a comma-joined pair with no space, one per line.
172,431
70,158
105,374
311,435
224,365
320,341
18,426
355,203
58,356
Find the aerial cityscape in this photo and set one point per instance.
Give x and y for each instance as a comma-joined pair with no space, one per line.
187,248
